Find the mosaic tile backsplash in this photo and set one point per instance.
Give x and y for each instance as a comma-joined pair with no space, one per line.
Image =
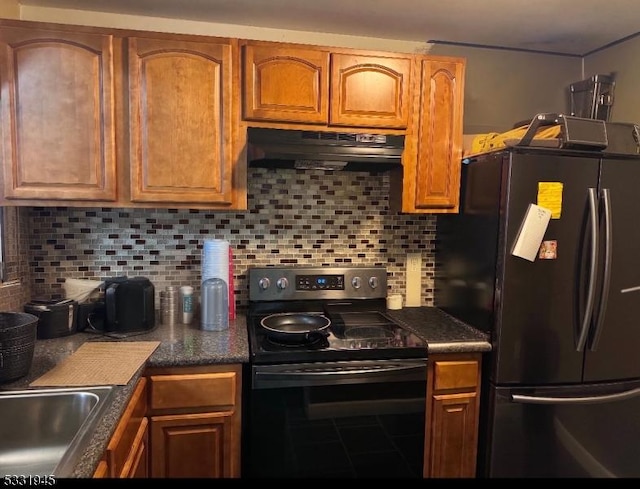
295,217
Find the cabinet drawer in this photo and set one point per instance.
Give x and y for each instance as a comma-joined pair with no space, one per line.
455,374
193,390
122,441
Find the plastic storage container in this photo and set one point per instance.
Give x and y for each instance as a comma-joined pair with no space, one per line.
214,305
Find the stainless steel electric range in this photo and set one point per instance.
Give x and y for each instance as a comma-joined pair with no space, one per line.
331,375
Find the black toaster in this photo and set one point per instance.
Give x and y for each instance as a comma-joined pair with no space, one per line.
55,317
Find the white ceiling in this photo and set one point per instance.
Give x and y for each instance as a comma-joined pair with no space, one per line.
575,27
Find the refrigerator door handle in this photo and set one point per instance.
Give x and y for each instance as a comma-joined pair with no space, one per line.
618,396
606,275
588,310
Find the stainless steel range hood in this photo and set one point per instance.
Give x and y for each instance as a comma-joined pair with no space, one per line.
284,148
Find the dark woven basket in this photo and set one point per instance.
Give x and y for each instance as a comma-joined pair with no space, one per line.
17,343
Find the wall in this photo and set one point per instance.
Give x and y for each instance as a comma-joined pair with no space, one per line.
622,61
331,219
503,86
9,9
339,218
295,218
16,290
102,19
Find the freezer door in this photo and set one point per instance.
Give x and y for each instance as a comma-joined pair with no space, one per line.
612,350
540,304
589,432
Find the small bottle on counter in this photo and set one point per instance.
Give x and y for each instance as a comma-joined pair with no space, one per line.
214,305
186,301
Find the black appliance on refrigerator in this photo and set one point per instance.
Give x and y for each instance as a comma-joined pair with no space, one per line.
561,394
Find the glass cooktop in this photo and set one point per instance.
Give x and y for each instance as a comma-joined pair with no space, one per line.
350,336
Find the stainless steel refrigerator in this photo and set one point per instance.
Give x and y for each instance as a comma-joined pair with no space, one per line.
561,394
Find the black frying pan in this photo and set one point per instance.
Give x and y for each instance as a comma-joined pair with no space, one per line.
295,326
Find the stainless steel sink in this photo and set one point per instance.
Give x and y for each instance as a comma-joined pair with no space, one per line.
45,431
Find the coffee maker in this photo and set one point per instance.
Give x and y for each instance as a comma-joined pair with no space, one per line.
129,304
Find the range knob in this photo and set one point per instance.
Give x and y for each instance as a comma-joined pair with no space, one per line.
373,282
282,283
356,282
264,283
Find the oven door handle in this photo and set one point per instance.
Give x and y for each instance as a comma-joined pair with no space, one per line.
332,373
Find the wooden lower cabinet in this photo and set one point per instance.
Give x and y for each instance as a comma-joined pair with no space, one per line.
192,445
195,421
184,422
102,470
453,395
138,466
127,454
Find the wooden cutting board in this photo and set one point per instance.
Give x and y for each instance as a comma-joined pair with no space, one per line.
99,363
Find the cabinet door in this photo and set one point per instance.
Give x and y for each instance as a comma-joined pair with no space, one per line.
453,436
180,121
370,91
453,390
102,470
138,467
192,445
437,176
127,450
57,111
285,84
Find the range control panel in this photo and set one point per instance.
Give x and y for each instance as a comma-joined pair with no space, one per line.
320,282
298,283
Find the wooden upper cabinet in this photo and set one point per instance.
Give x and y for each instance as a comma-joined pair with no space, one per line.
370,91
433,146
285,84
440,137
57,112
294,84
180,121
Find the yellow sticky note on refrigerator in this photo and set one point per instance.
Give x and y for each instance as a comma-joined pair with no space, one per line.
550,197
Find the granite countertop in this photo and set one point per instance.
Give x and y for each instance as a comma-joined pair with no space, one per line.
188,345
442,332
180,345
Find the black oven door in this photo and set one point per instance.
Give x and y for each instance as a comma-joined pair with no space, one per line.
357,419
